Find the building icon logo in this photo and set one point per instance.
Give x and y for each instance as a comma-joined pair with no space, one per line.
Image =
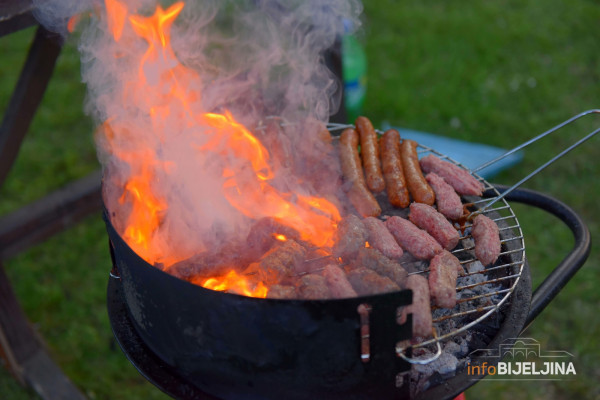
523,359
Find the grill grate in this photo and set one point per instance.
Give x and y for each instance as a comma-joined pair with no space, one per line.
496,281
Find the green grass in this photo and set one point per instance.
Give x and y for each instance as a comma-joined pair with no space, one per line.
506,70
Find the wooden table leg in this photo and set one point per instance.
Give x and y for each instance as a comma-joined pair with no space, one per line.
24,354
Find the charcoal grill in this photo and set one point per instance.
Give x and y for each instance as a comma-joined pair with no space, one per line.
140,299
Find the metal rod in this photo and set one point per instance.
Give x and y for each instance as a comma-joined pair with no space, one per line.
543,166
553,159
535,139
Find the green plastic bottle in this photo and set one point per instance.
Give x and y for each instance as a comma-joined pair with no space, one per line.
354,69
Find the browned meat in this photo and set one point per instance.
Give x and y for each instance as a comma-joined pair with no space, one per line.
369,151
427,218
420,307
366,282
446,199
412,239
279,262
313,287
372,259
338,284
381,239
444,269
281,292
234,255
393,173
262,235
418,187
486,235
460,179
350,236
358,193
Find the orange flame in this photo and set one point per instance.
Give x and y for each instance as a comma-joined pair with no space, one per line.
247,183
117,13
72,22
234,283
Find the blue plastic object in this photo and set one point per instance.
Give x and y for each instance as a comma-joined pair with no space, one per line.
471,155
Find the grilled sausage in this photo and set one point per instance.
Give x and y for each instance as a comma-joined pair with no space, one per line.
393,173
443,272
381,239
262,235
427,218
279,262
418,187
460,179
281,292
366,282
360,196
486,235
350,236
312,287
372,259
420,308
339,286
446,199
412,239
369,150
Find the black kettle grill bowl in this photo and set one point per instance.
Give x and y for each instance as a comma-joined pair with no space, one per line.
209,344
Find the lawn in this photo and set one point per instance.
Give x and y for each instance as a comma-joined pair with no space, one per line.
489,72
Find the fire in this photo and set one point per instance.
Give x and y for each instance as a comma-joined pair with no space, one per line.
234,283
117,12
167,93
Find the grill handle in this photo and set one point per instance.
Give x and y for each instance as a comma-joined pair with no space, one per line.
569,266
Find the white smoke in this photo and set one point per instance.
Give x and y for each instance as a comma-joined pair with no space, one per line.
256,59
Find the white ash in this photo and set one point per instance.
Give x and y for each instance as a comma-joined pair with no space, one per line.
453,358
455,351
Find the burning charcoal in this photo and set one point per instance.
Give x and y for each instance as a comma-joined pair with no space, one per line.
313,287
264,234
420,307
381,238
281,292
366,282
279,262
444,269
350,237
371,258
337,281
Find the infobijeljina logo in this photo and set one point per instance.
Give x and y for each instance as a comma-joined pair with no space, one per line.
523,359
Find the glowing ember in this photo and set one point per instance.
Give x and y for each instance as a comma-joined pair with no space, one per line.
234,283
